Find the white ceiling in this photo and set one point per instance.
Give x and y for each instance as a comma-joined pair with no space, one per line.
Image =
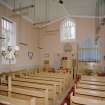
54,9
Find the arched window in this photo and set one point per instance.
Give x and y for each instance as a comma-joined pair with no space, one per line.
67,30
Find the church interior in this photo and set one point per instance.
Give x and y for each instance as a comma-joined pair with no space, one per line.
52,52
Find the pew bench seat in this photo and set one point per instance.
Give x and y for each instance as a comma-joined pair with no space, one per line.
22,93
93,78
85,101
91,83
91,87
58,85
61,81
39,87
91,94
14,101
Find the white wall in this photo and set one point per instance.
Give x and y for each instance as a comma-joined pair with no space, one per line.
50,40
25,33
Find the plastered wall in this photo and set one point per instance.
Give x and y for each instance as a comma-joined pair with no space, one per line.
25,33
48,39
51,44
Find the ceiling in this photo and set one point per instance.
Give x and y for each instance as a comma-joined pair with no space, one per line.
46,10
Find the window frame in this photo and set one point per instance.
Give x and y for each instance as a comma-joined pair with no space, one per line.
11,29
62,28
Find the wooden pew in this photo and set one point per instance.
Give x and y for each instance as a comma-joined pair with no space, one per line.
91,87
65,78
14,101
54,75
60,82
55,78
61,76
51,89
93,79
47,78
85,101
92,83
26,93
58,85
51,75
91,93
